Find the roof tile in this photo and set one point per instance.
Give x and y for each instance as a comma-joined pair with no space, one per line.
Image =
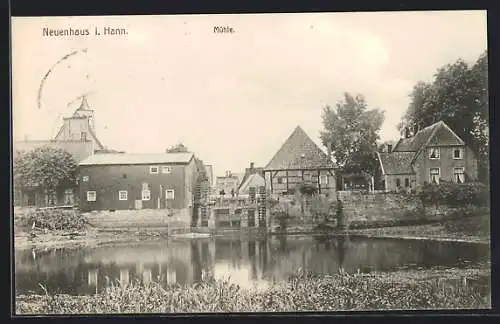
122,159
299,152
396,162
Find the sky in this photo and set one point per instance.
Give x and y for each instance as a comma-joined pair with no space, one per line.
232,98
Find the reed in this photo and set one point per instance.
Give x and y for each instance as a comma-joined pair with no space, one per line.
302,292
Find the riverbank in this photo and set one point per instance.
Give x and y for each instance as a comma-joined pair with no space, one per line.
470,230
416,289
68,239
473,229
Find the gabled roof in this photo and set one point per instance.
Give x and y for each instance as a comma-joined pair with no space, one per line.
299,152
84,106
396,162
255,179
413,144
249,172
423,137
126,159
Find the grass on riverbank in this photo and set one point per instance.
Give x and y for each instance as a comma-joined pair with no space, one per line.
470,229
430,289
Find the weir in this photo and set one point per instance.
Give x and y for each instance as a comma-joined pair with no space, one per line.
232,212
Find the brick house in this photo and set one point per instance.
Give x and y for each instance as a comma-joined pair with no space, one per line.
433,154
300,161
139,181
76,136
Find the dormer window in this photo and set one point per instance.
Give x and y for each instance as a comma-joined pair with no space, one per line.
434,153
458,153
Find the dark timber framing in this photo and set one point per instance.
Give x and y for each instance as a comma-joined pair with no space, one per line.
300,160
274,173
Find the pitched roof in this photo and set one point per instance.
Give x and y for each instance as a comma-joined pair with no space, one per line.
123,159
254,179
413,144
396,162
299,152
84,106
418,142
249,172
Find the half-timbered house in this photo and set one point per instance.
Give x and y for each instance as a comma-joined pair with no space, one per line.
300,162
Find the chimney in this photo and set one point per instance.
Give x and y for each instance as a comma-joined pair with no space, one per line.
251,165
407,132
389,148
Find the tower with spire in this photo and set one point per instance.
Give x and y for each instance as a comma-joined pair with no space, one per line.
85,111
80,126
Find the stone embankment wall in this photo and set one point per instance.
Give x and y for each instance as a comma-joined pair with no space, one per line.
144,218
379,209
374,207
381,206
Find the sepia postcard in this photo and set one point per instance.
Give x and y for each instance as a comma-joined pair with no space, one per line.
234,163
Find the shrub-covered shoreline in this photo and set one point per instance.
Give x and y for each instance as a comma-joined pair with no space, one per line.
404,290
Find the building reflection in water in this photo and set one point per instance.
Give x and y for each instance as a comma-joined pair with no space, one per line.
124,277
246,260
146,276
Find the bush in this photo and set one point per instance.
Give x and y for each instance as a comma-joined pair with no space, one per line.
453,194
307,189
53,219
321,208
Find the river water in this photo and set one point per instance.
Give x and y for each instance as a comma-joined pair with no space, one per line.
242,260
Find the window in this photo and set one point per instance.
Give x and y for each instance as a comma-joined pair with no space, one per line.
459,175
85,178
169,193
458,153
153,169
323,179
68,197
434,153
123,195
398,183
146,195
83,136
407,182
166,169
51,198
91,196
434,174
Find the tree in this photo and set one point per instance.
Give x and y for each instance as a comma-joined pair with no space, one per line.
351,134
179,148
44,168
200,167
458,95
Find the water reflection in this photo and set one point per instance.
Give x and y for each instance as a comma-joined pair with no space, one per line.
249,261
